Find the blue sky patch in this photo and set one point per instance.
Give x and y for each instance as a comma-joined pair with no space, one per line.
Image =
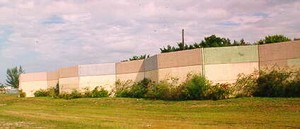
261,14
228,23
54,20
5,32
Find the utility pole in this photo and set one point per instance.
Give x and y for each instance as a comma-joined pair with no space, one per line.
183,37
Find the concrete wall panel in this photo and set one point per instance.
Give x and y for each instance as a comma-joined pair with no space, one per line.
105,81
97,69
30,87
180,58
225,55
178,72
279,51
130,67
52,83
28,77
272,63
151,63
53,75
68,72
221,73
135,77
68,84
152,75
294,62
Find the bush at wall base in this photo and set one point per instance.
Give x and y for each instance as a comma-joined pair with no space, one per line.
22,94
97,92
269,82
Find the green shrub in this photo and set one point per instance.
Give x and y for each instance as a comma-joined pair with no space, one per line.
245,85
195,88
136,90
139,89
87,93
74,94
97,93
64,95
219,91
122,88
22,94
41,93
159,90
272,83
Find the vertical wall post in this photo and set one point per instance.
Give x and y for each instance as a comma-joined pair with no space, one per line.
203,62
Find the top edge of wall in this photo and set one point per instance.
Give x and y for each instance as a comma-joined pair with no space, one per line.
134,66
97,69
180,58
37,76
71,71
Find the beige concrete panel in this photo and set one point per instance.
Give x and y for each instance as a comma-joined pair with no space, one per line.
279,51
179,73
54,75
68,72
180,58
272,63
134,77
151,63
97,69
130,67
28,77
152,75
105,81
68,84
221,73
52,83
30,87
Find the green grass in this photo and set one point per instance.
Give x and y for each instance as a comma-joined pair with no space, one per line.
138,113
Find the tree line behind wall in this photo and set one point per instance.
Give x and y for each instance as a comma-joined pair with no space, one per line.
215,41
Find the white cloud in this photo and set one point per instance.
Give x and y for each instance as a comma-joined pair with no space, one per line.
46,35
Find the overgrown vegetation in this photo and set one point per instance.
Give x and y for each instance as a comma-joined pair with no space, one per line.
215,41
211,41
196,87
274,39
97,92
22,94
274,82
141,57
50,92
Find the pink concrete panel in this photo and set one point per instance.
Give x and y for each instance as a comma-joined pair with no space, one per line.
97,69
180,58
54,75
41,76
279,51
68,72
272,63
130,67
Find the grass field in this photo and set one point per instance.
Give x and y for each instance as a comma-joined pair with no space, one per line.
138,113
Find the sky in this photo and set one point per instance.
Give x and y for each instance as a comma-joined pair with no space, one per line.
44,35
